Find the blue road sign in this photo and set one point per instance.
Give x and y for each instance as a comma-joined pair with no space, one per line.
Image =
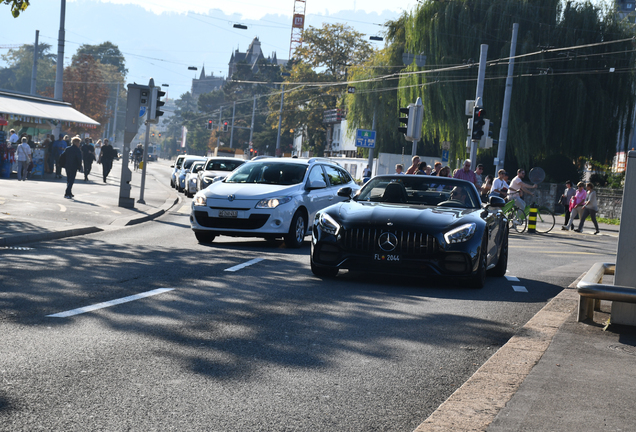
142,111
444,155
365,138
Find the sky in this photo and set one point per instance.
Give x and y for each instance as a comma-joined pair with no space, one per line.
162,38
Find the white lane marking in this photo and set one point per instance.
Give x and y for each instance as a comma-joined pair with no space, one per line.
518,288
185,209
240,266
109,303
512,279
62,208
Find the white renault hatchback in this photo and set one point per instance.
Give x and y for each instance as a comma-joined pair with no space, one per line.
269,198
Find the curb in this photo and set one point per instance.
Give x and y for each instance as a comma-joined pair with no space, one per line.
474,406
49,235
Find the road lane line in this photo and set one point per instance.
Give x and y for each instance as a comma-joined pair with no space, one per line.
512,278
62,208
240,266
109,303
518,288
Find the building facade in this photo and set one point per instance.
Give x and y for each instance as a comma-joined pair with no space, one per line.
206,84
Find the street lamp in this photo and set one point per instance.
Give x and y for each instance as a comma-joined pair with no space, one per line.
240,26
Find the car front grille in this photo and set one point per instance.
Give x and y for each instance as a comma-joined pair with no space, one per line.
255,221
361,240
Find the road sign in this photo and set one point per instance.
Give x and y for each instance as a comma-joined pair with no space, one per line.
446,145
444,156
142,111
365,138
351,89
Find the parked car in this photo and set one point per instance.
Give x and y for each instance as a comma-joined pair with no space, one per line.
181,174
412,225
269,198
176,166
216,169
191,178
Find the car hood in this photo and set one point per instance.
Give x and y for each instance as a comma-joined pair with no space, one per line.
248,191
214,174
362,214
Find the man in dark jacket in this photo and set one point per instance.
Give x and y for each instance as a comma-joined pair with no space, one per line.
57,149
88,155
72,164
106,157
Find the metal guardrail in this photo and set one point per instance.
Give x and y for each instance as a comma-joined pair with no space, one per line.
591,292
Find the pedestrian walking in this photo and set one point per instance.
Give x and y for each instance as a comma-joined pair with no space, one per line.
24,158
576,205
58,148
72,164
479,174
46,144
422,168
589,208
399,169
415,165
107,155
568,193
88,156
98,149
467,174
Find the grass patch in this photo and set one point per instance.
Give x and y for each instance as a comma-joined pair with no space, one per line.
602,220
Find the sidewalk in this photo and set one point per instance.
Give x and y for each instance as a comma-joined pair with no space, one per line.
36,210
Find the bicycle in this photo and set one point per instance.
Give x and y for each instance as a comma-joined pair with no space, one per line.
518,219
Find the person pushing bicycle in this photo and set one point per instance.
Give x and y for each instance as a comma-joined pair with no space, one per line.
138,155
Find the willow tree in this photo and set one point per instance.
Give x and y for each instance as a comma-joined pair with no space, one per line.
573,88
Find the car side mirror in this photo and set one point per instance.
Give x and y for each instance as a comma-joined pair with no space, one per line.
344,192
171,166
495,201
317,184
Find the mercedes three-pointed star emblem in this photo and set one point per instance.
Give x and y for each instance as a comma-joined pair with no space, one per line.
388,241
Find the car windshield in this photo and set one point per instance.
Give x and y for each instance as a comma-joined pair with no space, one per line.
197,167
268,172
422,190
188,163
222,165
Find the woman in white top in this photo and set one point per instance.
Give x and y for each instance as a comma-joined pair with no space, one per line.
590,207
24,158
499,186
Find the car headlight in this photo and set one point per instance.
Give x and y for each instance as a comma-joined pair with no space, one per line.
460,234
200,200
272,203
328,224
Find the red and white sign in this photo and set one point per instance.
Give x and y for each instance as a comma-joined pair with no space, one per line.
299,21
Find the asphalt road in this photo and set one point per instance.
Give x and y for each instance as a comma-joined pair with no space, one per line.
245,337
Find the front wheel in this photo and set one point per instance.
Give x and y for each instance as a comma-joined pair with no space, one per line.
545,220
479,279
297,229
517,221
204,237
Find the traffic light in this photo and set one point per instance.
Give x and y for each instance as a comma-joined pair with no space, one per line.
225,127
159,134
404,129
155,104
153,134
479,120
209,124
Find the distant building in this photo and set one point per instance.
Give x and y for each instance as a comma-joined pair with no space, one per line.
626,10
251,58
206,84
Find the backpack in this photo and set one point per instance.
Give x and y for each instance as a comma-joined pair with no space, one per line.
62,160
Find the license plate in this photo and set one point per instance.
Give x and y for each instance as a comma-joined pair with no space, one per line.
228,213
386,257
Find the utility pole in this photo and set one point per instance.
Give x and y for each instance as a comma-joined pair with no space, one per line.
479,96
115,116
232,131
34,72
252,125
503,132
218,134
371,150
58,92
280,120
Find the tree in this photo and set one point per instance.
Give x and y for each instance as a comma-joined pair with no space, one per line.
84,88
106,53
17,6
17,75
378,91
334,47
564,101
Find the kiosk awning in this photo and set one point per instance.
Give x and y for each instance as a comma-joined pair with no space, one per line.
37,109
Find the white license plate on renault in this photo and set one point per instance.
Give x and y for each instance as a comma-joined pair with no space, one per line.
228,213
386,257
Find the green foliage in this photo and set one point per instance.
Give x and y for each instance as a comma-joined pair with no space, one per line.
602,175
559,168
17,6
564,101
107,53
17,75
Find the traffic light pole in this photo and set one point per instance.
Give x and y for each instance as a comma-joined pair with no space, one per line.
479,95
232,130
371,150
503,132
280,120
143,169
